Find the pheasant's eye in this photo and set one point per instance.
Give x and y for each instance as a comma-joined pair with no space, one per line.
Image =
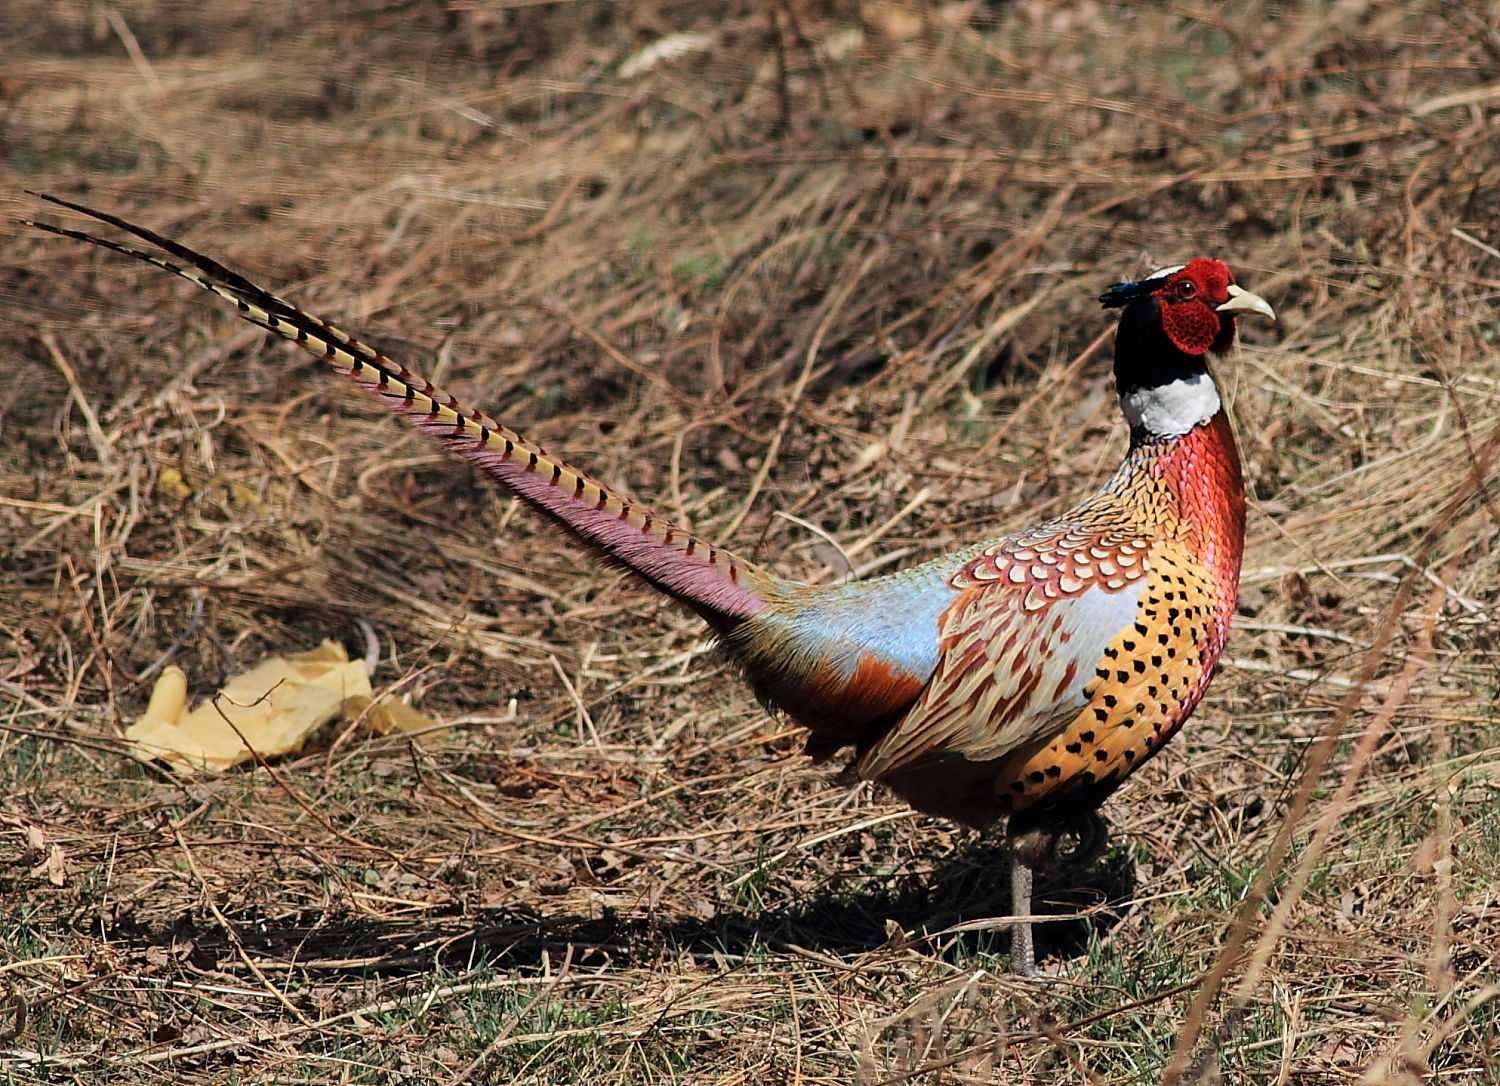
1185,289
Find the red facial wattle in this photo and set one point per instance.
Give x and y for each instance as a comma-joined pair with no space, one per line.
1188,303
1191,325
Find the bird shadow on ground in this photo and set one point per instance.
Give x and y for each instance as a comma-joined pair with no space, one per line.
965,891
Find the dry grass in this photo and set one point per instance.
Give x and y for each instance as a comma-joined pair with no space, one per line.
633,876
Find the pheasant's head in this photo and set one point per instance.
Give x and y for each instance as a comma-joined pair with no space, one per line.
1194,303
1172,320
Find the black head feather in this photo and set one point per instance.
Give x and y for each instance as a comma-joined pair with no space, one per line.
1119,295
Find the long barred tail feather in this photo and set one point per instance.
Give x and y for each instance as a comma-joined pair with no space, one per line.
722,588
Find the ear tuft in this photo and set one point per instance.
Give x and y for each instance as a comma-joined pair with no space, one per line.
1119,295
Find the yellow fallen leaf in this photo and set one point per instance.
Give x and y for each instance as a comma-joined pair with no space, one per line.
388,715
274,706
168,696
170,484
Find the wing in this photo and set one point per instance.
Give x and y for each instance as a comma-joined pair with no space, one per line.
847,659
1019,646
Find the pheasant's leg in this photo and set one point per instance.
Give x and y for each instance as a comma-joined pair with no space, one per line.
1022,950
1034,845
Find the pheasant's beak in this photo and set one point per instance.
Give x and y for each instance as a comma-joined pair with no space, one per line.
1242,301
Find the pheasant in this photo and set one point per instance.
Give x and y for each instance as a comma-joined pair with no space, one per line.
1022,678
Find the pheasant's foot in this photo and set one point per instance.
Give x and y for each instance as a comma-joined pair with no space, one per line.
1073,840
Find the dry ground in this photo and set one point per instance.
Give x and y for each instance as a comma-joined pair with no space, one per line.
828,271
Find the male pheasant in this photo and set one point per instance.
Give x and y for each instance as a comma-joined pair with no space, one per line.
1023,677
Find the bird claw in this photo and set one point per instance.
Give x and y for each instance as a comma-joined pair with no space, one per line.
1054,973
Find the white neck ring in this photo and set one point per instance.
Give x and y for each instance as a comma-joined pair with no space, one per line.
1172,409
